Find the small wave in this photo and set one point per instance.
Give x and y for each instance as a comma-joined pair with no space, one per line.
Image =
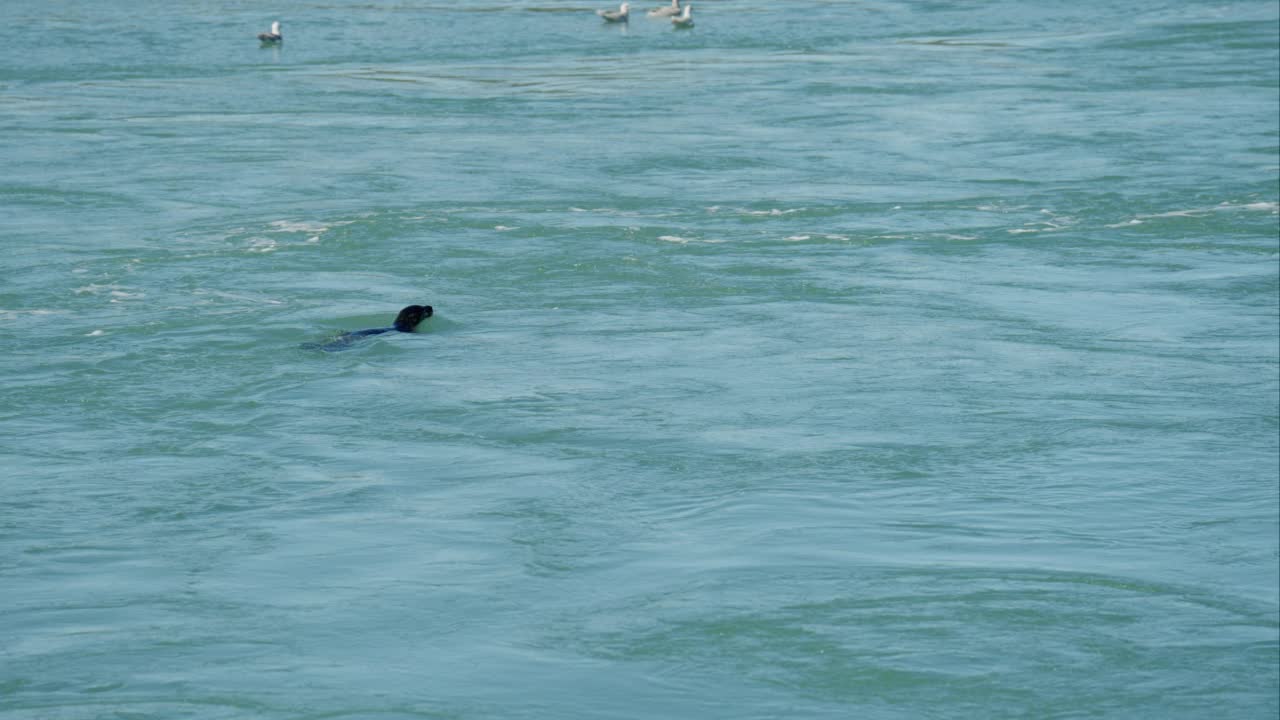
1271,207
1267,207
960,43
200,292
302,226
1220,207
118,292
685,241
1053,224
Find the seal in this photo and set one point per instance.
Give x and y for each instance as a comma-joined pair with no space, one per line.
407,321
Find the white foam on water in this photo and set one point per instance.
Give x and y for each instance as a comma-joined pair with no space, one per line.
295,226
1269,207
1273,208
109,288
685,241
1053,224
237,297
262,245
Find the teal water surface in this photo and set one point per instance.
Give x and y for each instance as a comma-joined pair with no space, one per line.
891,359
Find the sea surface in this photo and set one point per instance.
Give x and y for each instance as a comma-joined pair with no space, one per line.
893,359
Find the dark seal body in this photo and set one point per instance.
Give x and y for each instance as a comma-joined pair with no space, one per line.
407,321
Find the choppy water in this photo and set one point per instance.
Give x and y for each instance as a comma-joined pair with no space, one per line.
831,359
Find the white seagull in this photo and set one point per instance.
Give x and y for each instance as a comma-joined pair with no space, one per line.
272,37
619,15
666,11
685,19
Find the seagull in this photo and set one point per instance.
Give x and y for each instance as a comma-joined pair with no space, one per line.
270,38
619,15
685,19
666,11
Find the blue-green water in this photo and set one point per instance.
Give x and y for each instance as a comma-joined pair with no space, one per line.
894,359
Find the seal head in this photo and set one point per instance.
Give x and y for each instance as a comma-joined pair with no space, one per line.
409,317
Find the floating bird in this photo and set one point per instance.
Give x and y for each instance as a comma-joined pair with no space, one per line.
685,19
619,15
273,37
666,11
